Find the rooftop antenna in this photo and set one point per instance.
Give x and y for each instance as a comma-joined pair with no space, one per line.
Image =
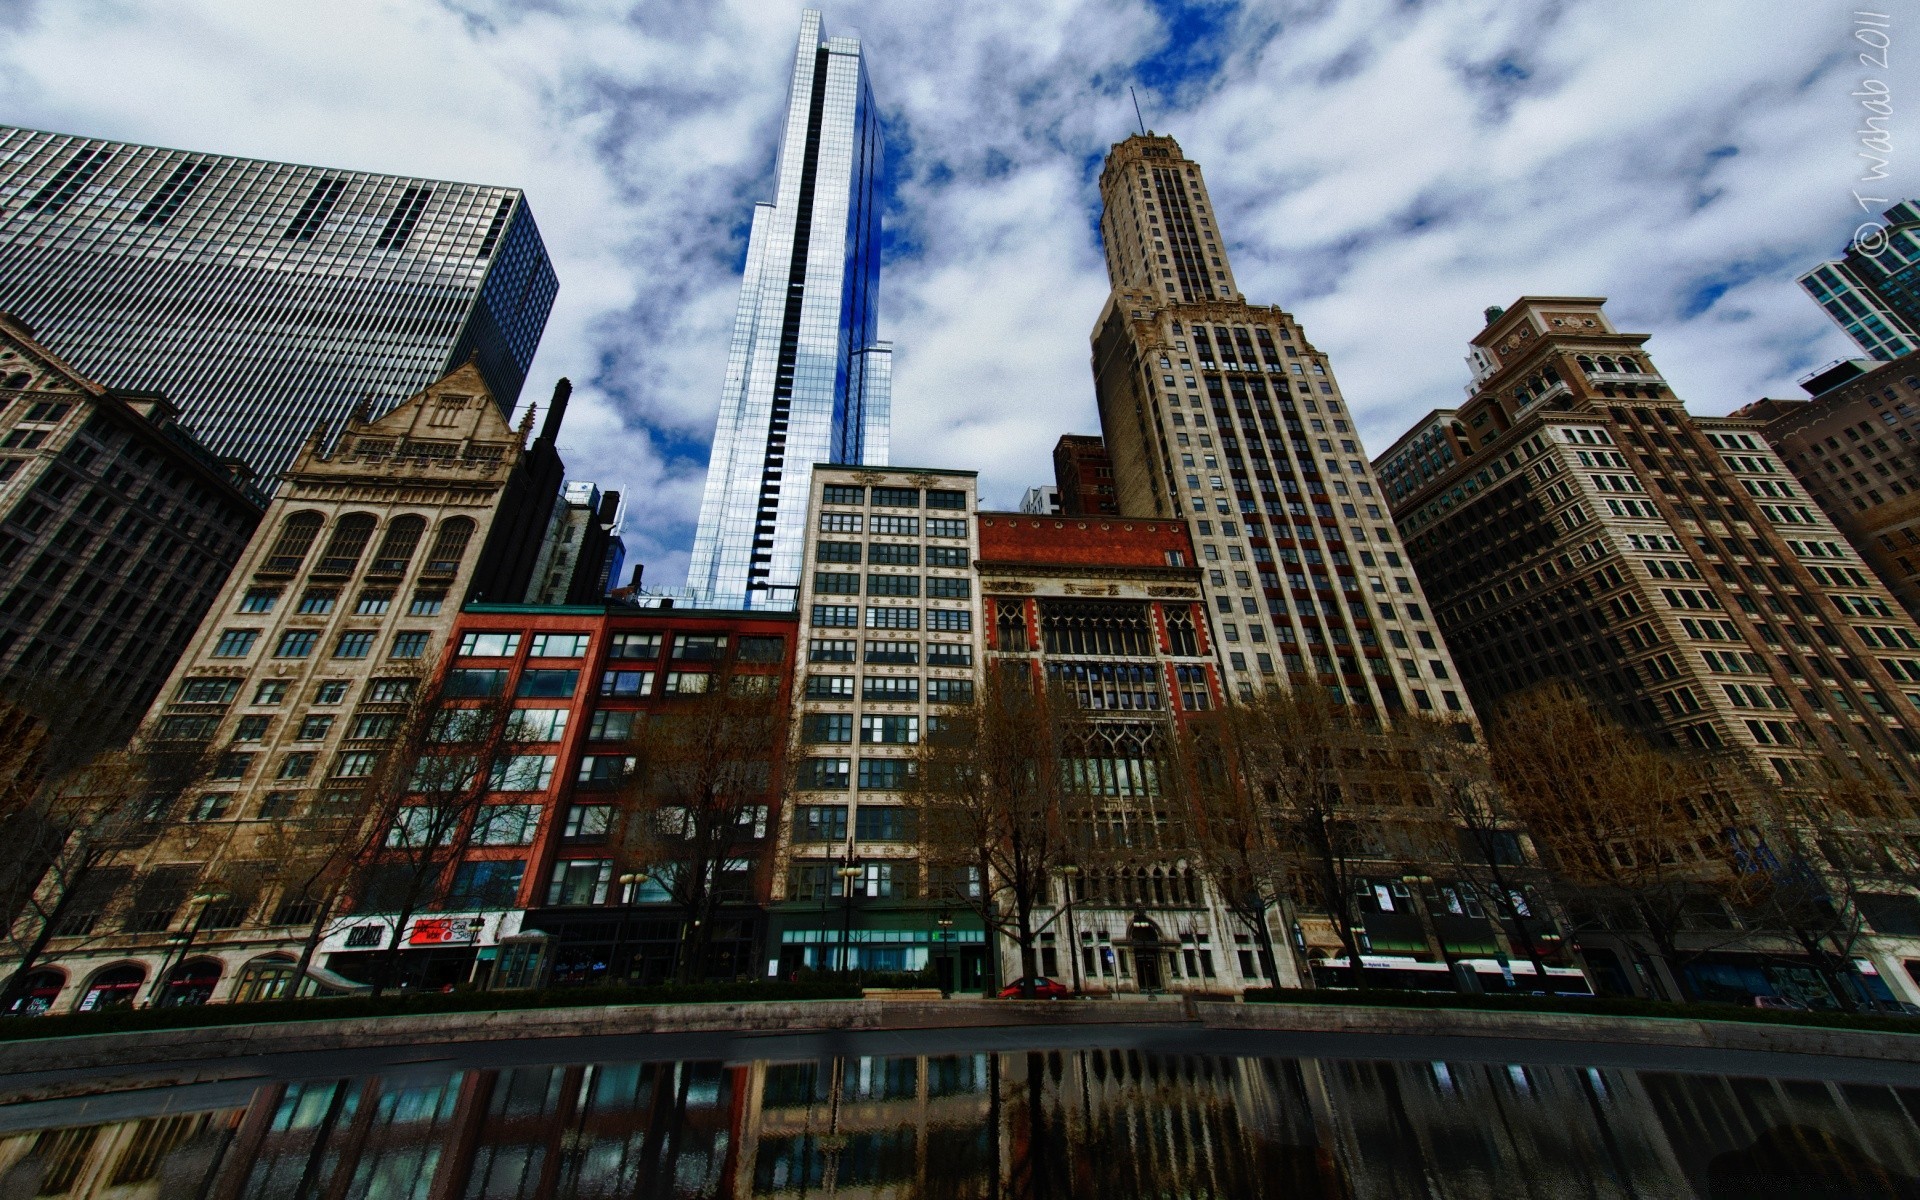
1136,111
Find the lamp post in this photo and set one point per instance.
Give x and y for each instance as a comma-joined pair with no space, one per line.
629,891
206,898
945,922
1071,875
848,871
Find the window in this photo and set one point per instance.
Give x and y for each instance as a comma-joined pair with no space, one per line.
272,691
949,620
522,773
558,645
277,804
686,683
946,527
839,522
886,554
836,583
467,682
820,823
210,807
333,691
905,654
950,691
356,764
449,546
941,498
312,729
489,883
626,683
885,823
581,881
635,645
946,556
259,600
887,687
235,643
234,764
893,585
397,547
537,725
903,526
296,643
588,823
885,774
409,645
893,618
506,824
349,541
610,726
373,602
399,691
837,552
836,493
949,654
1194,694
824,774
190,729
822,650
297,765
426,603
895,497
373,726
761,649
208,691
296,538
489,645
356,644
548,684
950,589
699,647
829,687
837,616
827,727
890,730
604,770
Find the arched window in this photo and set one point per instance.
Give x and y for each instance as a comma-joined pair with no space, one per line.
113,987
349,541
191,983
266,978
1630,366
37,993
1586,364
1010,625
296,538
19,379
450,545
396,549
1606,364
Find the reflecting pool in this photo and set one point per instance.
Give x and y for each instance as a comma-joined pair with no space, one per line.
1105,1123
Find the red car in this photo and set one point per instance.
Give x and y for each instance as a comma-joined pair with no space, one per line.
1043,989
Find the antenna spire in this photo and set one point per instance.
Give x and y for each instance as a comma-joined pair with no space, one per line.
1136,111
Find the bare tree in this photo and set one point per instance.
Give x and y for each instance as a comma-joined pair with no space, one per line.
697,798
994,796
1616,820
1229,824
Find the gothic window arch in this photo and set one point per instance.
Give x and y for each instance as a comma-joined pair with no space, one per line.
349,541
297,534
397,547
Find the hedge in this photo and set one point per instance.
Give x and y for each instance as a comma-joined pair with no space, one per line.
402,1005
1583,1005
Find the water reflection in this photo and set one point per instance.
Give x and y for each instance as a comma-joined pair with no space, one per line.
1094,1123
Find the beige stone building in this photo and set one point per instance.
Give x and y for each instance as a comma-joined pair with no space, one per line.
335,616
1222,414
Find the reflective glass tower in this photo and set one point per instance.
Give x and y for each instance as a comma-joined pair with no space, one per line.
806,380
263,298
1874,291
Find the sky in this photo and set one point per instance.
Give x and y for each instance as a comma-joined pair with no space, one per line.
1384,170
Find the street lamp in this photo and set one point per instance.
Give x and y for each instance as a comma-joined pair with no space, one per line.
629,892
945,922
1071,874
848,871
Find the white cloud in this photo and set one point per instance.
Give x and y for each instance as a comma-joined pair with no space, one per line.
1385,170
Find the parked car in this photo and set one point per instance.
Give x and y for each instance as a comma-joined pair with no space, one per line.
1043,989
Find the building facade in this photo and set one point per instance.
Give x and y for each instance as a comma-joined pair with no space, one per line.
294,684
1852,448
1873,291
581,555
807,380
263,297
119,529
1084,475
889,637
1222,414
1042,501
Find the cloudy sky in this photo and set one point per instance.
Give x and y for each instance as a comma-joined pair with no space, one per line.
1385,170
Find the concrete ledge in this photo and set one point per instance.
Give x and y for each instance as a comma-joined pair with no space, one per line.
210,1051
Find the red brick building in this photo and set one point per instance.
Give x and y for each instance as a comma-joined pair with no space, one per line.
1084,475
584,675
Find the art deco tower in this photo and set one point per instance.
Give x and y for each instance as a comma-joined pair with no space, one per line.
1222,413
806,381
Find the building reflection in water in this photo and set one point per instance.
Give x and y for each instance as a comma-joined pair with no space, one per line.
1104,1123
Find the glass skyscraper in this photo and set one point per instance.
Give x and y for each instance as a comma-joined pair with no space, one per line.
1874,291
264,298
806,380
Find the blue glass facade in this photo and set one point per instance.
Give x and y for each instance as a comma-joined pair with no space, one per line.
264,298
1874,292
807,382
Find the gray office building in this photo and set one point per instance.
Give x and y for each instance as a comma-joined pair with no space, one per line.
807,381
263,298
